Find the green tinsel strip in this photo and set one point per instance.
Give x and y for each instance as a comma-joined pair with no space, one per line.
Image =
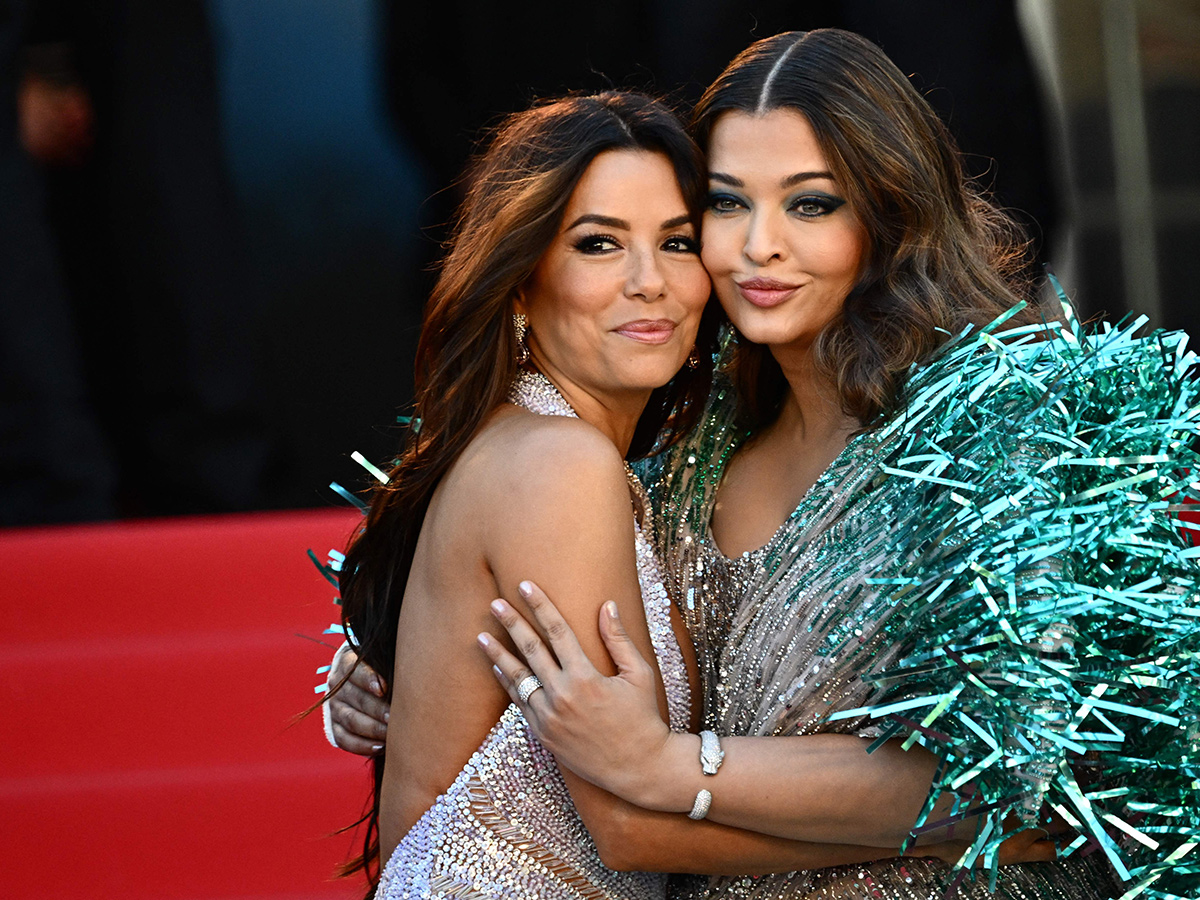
1050,472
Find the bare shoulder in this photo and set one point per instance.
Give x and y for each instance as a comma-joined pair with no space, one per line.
534,459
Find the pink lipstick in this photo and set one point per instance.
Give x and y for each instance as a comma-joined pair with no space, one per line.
647,331
765,292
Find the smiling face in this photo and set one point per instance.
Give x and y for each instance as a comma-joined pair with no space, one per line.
614,303
781,242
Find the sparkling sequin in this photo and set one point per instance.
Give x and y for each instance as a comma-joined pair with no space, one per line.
973,513
506,827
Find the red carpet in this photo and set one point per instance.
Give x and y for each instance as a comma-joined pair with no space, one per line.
151,675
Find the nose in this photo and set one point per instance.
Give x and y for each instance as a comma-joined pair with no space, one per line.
763,241
645,279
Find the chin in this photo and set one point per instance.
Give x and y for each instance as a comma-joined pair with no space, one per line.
768,333
776,330
648,378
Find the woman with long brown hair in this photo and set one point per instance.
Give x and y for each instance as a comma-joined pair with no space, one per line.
570,297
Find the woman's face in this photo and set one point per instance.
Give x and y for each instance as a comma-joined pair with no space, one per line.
781,243
614,303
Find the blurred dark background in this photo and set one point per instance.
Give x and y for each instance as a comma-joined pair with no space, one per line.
217,219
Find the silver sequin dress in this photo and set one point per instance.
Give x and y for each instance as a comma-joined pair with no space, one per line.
784,635
506,827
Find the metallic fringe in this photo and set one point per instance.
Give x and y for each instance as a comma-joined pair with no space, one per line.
1050,602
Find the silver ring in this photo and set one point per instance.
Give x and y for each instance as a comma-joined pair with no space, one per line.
528,685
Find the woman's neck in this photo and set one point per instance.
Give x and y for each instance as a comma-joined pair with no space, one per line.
615,415
811,409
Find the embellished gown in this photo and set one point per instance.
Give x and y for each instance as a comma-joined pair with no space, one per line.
880,573
506,826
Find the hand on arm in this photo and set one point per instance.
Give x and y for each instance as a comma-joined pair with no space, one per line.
630,837
580,507
357,713
819,788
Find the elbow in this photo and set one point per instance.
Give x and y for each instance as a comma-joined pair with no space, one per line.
617,844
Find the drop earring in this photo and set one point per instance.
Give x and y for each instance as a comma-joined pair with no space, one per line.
520,327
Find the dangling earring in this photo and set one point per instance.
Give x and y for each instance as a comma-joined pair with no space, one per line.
693,360
520,326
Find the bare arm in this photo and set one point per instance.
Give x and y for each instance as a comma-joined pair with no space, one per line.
581,508
822,788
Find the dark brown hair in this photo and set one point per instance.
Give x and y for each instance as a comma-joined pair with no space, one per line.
939,256
517,191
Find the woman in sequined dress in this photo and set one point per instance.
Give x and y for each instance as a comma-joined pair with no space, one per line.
582,218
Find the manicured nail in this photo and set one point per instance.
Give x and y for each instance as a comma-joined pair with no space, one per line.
525,589
611,608
387,715
483,639
375,748
496,671
499,607
376,687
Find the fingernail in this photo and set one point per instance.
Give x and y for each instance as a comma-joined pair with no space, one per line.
611,608
498,607
496,671
387,715
376,687
375,748
525,589
482,638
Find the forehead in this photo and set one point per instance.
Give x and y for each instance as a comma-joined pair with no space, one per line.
622,183
778,143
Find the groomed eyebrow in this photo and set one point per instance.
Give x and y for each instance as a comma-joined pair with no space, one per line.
786,183
610,222
792,180
593,219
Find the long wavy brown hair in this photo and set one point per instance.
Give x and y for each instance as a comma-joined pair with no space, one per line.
939,255
517,191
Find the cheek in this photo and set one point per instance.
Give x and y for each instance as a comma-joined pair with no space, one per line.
837,258
719,247
565,294
693,288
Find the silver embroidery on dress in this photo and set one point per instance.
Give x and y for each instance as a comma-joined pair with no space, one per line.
506,827
783,637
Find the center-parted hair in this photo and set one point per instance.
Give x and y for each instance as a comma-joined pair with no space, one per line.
939,256
517,192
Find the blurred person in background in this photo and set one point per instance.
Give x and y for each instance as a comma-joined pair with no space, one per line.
118,104
54,464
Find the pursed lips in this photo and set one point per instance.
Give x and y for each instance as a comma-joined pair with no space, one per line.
765,292
647,331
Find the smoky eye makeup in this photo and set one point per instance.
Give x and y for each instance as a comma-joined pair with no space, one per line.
814,204
595,243
681,243
724,201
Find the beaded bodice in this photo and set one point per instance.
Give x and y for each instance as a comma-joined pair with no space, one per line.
506,827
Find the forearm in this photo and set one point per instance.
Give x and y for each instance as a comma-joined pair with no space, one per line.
669,842
822,788
630,838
